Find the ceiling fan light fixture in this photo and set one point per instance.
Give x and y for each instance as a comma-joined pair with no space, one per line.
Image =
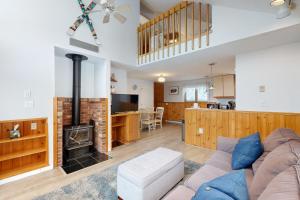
277,2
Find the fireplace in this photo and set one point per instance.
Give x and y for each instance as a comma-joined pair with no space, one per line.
81,125
77,138
77,141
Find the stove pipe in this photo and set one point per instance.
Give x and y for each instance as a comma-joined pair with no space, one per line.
76,58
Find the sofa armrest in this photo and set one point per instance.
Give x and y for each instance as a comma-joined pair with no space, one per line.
226,144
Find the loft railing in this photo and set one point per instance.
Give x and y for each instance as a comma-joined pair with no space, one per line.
178,30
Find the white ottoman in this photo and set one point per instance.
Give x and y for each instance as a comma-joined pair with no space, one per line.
151,175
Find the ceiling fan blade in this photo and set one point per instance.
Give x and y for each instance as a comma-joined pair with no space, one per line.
120,17
106,18
123,8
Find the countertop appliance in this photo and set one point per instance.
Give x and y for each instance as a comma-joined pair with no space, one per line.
213,106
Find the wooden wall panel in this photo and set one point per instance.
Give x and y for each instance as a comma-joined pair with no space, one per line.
174,111
235,124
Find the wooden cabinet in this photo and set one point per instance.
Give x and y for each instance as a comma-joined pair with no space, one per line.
229,85
125,128
133,127
218,85
224,86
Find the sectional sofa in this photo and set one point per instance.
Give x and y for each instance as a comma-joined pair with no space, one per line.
275,175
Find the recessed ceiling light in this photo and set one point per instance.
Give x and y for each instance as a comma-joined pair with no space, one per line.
277,2
161,79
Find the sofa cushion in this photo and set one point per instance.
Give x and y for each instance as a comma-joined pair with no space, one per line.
278,137
258,162
221,160
284,186
144,169
246,151
228,187
275,162
226,144
180,193
203,175
249,177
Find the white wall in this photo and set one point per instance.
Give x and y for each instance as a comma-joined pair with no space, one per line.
93,78
30,30
121,77
125,86
145,90
102,80
278,69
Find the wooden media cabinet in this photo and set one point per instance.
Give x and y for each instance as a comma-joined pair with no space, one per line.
125,128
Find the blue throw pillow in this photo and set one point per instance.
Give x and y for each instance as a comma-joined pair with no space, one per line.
246,151
232,186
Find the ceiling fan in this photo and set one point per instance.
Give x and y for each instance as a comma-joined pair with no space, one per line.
106,6
109,8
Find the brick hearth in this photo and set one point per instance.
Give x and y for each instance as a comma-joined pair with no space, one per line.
91,108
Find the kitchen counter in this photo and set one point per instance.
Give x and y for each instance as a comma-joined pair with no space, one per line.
203,126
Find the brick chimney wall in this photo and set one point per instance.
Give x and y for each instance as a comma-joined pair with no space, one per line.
91,108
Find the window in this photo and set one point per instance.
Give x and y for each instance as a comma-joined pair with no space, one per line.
190,94
202,93
196,93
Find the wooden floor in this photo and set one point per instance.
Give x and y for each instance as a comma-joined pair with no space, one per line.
169,136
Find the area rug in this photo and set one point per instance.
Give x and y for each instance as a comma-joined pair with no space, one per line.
101,186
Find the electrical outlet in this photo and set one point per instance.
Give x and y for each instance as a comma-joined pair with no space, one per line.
33,126
201,131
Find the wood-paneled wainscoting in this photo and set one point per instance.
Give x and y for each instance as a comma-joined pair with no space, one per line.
174,111
234,124
24,154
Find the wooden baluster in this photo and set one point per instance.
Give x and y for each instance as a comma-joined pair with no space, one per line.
179,29
145,43
193,25
163,41
141,43
138,46
168,35
149,42
150,46
186,27
200,25
154,45
207,24
174,43
158,38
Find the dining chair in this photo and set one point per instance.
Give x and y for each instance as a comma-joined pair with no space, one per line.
147,119
159,116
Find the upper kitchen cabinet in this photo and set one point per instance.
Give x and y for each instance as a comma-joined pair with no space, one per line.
224,86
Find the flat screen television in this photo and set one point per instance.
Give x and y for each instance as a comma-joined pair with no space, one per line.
124,103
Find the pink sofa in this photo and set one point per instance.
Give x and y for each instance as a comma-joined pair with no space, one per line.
275,175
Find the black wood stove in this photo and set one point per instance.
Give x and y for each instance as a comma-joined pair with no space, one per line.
77,138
